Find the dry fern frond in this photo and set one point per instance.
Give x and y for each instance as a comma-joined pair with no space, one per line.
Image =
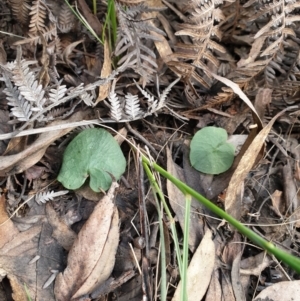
55,95
37,12
279,51
27,84
116,110
20,107
134,41
132,107
20,9
66,19
204,31
48,34
43,197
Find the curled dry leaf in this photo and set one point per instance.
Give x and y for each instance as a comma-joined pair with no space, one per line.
200,270
245,165
92,256
105,72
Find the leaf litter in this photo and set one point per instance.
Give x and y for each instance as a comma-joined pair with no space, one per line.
175,68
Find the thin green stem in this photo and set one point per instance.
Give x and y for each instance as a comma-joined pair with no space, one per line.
168,212
183,292
95,7
287,258
163,265
84,22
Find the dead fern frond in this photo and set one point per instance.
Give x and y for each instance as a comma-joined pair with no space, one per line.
37,12
27,84
66,19
55,95
132,107
134,41
115,106
43,197
20,107
279,41
20,9
204,31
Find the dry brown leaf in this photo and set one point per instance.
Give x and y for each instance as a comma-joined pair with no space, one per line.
290,188
32,154
236,89
14,262
177,202
227,290
221,182
277,202
91,19
61,232
282,291
162,46
245,165
235,278
92,256
7,227
105,72
200,270
15,146
214,292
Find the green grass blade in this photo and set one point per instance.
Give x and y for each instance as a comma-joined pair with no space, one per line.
290,260
185,257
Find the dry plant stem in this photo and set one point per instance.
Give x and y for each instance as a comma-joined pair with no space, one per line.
287,258
140,137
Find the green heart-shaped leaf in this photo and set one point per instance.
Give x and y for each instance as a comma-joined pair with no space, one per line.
210,153
93,153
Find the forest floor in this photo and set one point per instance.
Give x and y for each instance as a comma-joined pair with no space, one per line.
152,73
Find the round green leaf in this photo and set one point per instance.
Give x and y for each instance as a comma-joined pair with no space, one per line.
210,153
93,153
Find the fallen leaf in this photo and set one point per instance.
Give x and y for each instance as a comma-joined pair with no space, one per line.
227,290
61,232
235,278
105,72
91,19
32,154
200,270
244,166
92,256
237,90
7,227
14,262
277,202
214,292
282,291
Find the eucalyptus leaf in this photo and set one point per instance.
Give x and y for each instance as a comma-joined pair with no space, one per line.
209,151
93,153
